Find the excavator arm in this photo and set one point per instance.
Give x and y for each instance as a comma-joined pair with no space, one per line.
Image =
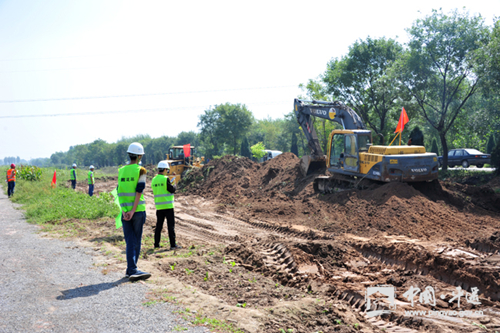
333,111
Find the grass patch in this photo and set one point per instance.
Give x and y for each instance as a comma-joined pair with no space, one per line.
461,174
46,204
215,324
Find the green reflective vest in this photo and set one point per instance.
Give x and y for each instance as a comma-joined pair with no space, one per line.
163,198
128,176
72,174
91,177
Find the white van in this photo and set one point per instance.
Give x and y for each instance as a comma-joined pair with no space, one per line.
270,154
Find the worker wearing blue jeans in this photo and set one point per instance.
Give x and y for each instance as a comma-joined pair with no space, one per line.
131,185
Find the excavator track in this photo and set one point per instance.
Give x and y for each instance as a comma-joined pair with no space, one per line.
337,183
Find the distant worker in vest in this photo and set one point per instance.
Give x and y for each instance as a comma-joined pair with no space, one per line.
131,185
11,180
72,175
163,192
91,180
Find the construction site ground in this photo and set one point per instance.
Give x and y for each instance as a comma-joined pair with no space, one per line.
265,253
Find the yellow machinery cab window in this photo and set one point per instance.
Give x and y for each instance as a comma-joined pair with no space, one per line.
337,148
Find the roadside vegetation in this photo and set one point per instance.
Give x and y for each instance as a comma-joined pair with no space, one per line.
470,175
44,203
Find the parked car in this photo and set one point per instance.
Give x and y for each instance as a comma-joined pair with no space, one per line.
466,157
270,154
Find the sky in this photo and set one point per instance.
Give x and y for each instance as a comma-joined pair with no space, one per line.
72,72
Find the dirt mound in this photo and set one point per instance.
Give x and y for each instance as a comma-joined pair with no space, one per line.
242,176
276,190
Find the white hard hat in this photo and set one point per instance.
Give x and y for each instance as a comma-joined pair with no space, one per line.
91,167
163,165
135,148
74,165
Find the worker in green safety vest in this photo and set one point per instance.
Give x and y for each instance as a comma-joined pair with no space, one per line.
131,184
91,180
72,175
163,192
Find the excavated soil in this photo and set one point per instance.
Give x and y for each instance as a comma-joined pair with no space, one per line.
276,190
264,252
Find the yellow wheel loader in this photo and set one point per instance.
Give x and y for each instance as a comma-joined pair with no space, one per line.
179,164
351,156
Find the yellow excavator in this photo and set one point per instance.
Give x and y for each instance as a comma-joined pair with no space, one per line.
179,164
351,156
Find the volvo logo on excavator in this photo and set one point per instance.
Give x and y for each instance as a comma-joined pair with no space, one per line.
318,112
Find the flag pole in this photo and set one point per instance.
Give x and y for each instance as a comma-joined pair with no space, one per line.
399,133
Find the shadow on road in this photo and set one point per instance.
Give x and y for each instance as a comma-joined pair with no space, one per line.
91,290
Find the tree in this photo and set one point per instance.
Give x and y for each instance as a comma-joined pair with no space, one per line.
210,132
491,144
360,80
434,147
245,150
495,158
258,150
438,71
294,149
491,59
225,123
187,137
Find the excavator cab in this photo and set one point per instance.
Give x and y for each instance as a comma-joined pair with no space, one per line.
344,149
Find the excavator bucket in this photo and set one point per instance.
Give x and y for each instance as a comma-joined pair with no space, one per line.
310,165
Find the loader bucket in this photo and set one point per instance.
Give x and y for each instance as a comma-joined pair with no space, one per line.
308,165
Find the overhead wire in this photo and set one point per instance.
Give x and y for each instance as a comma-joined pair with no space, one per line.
69,114
65,57
54,69
136,95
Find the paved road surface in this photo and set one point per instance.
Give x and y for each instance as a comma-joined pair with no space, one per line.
49,285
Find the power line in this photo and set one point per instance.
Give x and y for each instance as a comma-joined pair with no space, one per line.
54,69
122,111
137,95
66,57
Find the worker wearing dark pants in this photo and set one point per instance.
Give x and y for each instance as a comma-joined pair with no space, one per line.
72,174
163,192
161,215
11,180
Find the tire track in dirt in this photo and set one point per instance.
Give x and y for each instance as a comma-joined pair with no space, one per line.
444,265
278,259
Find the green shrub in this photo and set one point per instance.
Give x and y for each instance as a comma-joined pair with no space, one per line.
29,172
434,147
258,150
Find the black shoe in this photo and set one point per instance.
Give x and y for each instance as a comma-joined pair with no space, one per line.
139,276
176,247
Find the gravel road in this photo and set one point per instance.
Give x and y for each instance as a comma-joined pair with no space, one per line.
50,285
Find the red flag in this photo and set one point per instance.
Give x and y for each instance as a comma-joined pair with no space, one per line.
187,150
54,179
403,119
